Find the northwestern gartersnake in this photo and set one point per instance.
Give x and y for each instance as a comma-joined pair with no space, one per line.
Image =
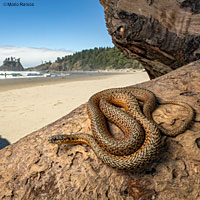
138,147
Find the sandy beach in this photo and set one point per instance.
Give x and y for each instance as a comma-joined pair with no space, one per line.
28,106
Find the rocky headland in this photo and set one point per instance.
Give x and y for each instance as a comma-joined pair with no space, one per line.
90,60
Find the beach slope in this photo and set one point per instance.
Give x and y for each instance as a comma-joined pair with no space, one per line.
27,106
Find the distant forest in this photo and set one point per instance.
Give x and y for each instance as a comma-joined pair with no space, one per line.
90,60
99,59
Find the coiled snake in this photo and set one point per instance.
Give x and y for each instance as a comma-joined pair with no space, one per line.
140,145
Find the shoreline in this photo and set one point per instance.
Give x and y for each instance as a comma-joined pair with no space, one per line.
19,83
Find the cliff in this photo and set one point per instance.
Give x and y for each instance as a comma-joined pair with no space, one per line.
11,64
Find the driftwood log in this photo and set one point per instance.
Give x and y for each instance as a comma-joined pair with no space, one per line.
162,35
34,169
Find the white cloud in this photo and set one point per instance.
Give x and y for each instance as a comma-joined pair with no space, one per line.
31,57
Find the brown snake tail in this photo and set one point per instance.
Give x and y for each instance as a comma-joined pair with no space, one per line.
142,139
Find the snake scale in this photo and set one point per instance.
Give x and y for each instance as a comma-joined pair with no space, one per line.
142,139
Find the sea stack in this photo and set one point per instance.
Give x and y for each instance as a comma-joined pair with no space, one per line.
11,64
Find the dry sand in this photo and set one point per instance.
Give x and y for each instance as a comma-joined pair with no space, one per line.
29,107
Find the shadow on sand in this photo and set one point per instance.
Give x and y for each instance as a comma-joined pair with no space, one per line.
3,142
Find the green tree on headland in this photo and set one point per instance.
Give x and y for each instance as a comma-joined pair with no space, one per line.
89,60
99,59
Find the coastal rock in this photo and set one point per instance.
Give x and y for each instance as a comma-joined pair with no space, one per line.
56,66
11,64
43,67
32,168
162,35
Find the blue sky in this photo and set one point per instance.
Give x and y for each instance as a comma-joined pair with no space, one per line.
54,24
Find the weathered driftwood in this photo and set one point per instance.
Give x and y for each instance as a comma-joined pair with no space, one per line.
162,35
34,169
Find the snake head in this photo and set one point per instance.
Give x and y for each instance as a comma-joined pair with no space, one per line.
67,139
57,139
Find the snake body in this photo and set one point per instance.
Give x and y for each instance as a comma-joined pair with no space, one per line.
138,147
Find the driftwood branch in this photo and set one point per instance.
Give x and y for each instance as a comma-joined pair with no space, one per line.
34,169
162,35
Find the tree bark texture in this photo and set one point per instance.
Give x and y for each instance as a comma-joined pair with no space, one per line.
34,169
162,35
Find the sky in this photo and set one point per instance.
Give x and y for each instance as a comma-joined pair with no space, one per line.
59,27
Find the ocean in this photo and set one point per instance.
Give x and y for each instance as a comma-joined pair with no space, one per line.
37,74
27,74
